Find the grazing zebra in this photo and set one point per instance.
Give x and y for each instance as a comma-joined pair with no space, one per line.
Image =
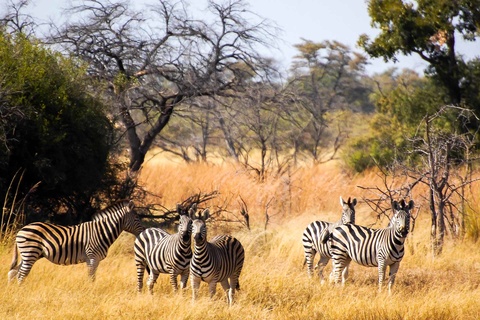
372,247
313,233
86,242
160,252
218,260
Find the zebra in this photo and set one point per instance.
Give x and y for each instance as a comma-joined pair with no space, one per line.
219,260
86,242
313,233
372,247
160,252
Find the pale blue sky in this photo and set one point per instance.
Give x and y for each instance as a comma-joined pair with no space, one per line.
316,20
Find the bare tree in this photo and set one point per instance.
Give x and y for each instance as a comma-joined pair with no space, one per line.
325,75
442,160
15,20
154,63
444,155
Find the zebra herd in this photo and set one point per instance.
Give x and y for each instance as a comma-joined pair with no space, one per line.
345,241
219,260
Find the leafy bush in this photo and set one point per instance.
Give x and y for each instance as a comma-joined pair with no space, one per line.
51,129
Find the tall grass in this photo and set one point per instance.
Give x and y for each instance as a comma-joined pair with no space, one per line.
274,284
12,210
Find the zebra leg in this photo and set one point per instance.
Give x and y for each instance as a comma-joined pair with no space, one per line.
152,279
381,273
321,265
14,267
173,281
392,274
26,264
92,265
337,269
195,285
345,272
14,272
212,288
140,274
184,279
309,258
229,290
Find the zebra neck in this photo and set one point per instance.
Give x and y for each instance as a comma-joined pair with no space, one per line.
399,239
200,249
183,243
109,230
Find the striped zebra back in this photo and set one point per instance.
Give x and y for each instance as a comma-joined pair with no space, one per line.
224,257
316,231
146,241
372,247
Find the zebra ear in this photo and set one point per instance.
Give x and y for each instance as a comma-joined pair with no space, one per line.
354,202
395,205
205,214
410,205
341,201
180,209
131,205
191,213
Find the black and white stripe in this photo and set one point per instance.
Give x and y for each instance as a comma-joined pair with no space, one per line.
86,242
157,251
312,237
219,260
372,247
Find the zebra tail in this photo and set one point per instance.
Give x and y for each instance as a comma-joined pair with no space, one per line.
325,236
237,287
13,267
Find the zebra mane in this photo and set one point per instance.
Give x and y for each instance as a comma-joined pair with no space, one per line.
106,213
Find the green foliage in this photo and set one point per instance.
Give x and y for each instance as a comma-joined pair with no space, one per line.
422,27
52,128
427,28
380,145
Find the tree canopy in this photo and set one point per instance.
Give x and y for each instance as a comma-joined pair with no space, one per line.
428,28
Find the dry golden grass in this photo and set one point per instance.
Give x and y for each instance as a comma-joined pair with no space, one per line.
274,284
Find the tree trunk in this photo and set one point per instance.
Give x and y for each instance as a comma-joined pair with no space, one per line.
440,236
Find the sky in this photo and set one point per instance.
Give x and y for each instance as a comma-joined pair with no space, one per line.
315,20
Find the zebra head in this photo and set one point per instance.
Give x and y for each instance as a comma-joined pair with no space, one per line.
199,228
348,210
131,220
185,224
401,218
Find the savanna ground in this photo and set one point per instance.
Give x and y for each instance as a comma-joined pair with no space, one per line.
274,284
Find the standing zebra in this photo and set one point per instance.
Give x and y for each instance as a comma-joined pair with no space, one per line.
86,242
313,233
372,247
160,252
220,260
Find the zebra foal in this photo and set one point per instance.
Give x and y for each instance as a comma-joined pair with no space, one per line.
86,242
219,260
372,247
157,251
312,237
